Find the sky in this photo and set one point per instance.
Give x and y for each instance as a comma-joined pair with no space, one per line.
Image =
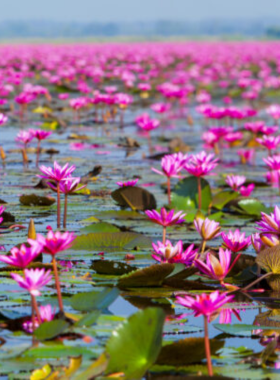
137,10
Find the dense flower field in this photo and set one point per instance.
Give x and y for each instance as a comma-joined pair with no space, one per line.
139,218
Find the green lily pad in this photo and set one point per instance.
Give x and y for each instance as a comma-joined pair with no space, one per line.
109,267
134,346
36,200
185,194
100,227
221,199
90,301
187,351
239,329
49,330
111,241
135,198
153,275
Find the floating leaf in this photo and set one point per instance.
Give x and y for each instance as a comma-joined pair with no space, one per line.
111,241
185,194
120,215
150,276
49,330
109,267
240,329
135,198
134,346
89,319
187,351
90,301
248,206
36,200
221,199
100,227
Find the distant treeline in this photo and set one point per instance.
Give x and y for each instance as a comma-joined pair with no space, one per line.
51,29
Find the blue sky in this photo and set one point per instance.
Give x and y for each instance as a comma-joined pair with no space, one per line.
136,10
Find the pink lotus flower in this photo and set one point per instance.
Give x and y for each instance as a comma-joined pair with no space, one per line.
132,182
205,304
221,132
172,164
210,139
201,164
57,173
235,181
270,223
55,242
47,314
167,253
24,98
24,137
247,191
226,314
23,256
208,229
3,119
148,124
63,96
254,126
68,185
233,136
33,280
40,134
236,241
269,142
2,209
160,107
269,130
257,243
273,162
123,100
165,218
274,111
269,240
214,268
246,155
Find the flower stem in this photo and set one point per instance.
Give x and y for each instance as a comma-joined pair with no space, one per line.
207,347
199,192
38,153
33,314
58,206
203,245
234,262
57,284
163,235
257,280
168,190
35,306
65,211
